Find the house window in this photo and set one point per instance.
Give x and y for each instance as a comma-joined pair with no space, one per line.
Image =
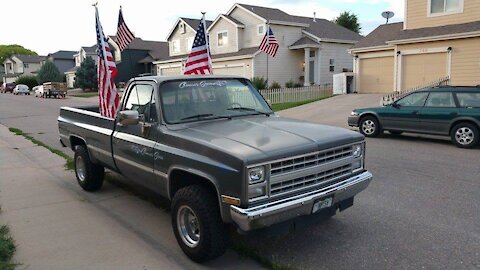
182,28
222,39
261,29
438,7
189,44
25,65
176,46
332,65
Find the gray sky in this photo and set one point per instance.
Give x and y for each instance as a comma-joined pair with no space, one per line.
47,26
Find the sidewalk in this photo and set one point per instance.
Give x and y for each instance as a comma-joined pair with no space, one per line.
56,225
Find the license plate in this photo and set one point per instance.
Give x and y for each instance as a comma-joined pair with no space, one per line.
321,204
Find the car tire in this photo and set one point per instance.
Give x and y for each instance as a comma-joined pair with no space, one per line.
395,132
465,135
369,126
89,175
197,224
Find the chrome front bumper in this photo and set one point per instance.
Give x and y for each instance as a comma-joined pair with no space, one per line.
275,212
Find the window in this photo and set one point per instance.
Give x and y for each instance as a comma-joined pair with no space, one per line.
25,65
469,99
141,99
189,44
176,46
413,100
261,29
438,7
222,39
182,28
440,99
332,65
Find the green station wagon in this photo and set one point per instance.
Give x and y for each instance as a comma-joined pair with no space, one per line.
446,110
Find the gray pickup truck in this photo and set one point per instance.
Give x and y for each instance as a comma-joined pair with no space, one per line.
213,146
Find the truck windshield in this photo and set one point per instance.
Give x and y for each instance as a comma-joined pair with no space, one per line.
195,100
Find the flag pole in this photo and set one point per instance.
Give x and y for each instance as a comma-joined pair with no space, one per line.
268,43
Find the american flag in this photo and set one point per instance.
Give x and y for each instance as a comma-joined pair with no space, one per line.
107,70
124,35
269,43
199,60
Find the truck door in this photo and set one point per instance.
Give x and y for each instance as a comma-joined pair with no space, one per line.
133,145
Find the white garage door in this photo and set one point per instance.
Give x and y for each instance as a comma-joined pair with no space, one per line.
422,69
235,71
376,75
170,71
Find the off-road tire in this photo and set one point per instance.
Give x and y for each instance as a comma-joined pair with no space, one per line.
468,129
372,122
213,240
92,178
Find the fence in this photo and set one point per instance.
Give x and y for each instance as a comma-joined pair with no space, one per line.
297,94
395,95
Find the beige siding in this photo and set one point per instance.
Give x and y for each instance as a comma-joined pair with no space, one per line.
221,26
417,14
233,67
342,60
422,69
182,38
376,75
250,37
465,63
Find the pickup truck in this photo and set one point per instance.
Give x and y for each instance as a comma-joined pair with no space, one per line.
214,148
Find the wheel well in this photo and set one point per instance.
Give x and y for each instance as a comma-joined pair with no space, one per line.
462,121
74,141
367,115
179,179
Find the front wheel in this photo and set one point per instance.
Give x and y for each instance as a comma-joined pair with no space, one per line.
465,135
369,126
197,223
89,175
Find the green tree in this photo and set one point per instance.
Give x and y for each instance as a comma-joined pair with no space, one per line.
349,21
28,80
49,73
86,75
7,51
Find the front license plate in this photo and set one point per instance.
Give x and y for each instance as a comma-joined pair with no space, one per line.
321,204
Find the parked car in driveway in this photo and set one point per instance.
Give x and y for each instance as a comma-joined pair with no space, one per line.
7,87
21,89
38,90
447,110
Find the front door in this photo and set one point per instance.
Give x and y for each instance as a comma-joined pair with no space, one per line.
404,113
133,145
439,111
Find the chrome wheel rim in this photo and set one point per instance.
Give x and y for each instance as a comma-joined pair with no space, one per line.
80,168
188,226
464,136
368,127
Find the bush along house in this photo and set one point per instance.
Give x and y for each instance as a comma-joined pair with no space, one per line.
311,50
439,42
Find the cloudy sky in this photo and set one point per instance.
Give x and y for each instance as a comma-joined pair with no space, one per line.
49,25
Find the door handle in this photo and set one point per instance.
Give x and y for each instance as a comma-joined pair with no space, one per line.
415,112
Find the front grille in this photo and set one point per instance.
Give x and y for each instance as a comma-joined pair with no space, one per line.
313,170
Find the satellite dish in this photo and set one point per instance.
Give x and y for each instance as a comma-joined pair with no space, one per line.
388,15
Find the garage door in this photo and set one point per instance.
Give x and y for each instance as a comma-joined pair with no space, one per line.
376,75
170,71
421,69
236,71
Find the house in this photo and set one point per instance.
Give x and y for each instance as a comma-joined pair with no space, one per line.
63,60
311,50
18,65
2,73
79,57
438,39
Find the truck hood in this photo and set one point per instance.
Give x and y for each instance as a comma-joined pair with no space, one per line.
258,139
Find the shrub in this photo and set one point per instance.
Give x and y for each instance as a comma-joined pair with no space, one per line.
289,84
259,82
298,85
49,73
86,75
275,85
28,80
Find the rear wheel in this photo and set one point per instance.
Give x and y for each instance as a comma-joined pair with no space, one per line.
89,175
369,126
465,135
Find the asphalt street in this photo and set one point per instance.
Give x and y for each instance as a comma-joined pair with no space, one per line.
420,211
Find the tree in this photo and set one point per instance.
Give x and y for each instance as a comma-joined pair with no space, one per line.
49,73
86,75
7,51
28,80
349,21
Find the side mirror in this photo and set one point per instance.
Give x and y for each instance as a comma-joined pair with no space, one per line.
395,105
129,117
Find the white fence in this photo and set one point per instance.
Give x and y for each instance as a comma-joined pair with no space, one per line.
395,95
297,94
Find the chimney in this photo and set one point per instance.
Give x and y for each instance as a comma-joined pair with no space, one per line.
314,16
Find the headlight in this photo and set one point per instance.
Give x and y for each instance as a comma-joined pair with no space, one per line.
255,192
354,113
256,175
357,150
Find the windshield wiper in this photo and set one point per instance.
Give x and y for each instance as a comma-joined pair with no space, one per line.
248,109
198,116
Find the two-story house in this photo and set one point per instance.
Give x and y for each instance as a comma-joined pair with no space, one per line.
18,65
438,39
63,60
311,49
79,57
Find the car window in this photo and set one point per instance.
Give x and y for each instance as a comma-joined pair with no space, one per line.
413,100
142,99
440,99
469,99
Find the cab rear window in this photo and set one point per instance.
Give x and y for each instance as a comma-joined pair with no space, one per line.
469,99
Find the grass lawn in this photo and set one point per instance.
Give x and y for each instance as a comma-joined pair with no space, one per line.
287,105
85,94
7,249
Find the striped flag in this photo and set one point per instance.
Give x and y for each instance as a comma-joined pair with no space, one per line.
124,35
199,60
107,70
269,43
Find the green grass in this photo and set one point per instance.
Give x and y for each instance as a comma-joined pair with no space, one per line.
287,105
7,249
85,94
69,160
249,252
